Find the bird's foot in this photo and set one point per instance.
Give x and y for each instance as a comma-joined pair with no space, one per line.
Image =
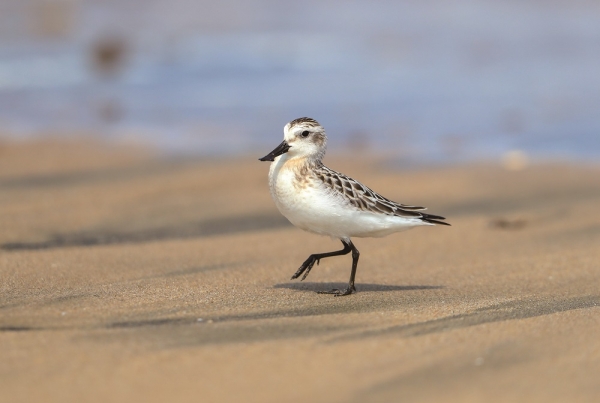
306,267
339,293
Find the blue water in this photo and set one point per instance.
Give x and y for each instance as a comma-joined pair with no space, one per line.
423,80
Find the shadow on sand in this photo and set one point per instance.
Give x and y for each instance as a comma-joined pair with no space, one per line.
258,326
361,287
217,226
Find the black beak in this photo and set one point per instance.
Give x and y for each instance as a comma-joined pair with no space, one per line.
280,149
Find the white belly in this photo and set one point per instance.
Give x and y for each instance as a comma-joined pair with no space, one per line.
312,207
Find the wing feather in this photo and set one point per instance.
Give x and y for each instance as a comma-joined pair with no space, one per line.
365,199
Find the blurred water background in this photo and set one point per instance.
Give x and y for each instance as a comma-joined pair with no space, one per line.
430,81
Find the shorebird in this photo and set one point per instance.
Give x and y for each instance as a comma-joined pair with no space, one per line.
322,201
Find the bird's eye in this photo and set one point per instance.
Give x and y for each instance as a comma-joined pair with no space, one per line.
305,133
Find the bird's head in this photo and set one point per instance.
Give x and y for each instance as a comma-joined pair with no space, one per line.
302,138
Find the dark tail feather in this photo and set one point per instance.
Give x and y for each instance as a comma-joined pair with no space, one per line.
405,207
434,219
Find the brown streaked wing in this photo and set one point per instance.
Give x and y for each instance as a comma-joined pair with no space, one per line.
362,197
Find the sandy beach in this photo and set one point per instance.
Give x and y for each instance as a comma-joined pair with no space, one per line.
128,277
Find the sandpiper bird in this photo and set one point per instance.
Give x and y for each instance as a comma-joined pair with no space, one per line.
320,200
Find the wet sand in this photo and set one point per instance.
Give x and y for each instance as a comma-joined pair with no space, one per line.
126,277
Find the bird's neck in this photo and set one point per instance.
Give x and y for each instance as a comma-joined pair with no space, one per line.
309,162
295,167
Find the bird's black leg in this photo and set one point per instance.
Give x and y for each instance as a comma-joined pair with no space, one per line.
315,258
351,288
